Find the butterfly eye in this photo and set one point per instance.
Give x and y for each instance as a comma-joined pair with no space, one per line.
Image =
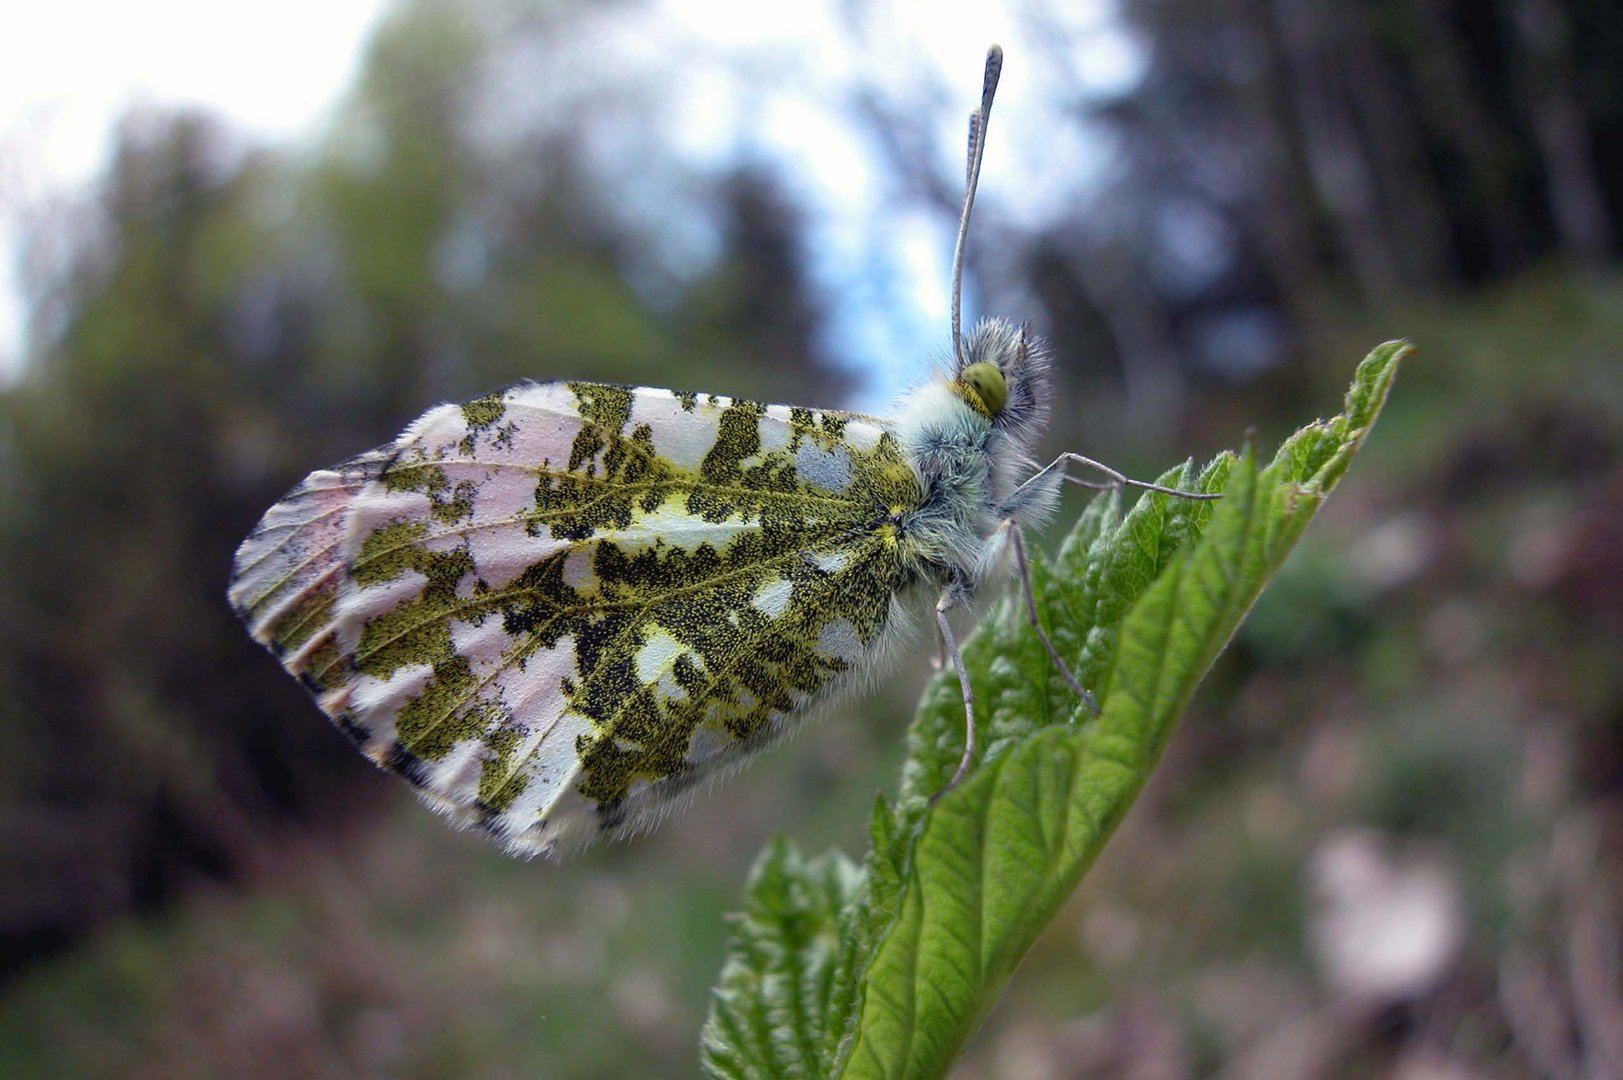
988,384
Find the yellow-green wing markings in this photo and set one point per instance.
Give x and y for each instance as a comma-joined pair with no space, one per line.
567,602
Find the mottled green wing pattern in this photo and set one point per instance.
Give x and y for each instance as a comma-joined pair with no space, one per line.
554,609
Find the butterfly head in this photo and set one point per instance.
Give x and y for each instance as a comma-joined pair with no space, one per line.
999,370
1003,375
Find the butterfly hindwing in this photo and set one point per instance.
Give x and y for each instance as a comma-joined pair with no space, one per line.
555,608
288,572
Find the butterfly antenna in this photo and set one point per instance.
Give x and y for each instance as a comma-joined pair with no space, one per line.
972,175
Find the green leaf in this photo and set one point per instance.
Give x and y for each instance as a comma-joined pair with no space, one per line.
769,1012
910,954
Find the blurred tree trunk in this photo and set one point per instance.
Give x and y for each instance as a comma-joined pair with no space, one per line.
1288,237
1561,129
1449,102
1342,173
1389,130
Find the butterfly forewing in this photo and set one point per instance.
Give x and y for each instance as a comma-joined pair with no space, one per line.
555,608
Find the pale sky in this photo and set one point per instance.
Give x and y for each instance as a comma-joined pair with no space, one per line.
70,68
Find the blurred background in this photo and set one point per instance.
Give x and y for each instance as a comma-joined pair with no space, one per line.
1386,840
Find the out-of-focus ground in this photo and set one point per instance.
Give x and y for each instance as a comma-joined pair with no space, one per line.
1386,840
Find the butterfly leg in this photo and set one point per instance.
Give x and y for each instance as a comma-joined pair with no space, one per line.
1018,541
951,645
1112,481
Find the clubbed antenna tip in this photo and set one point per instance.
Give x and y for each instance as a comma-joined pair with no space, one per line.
972,175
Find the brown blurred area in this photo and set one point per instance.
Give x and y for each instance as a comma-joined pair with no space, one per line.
1386,840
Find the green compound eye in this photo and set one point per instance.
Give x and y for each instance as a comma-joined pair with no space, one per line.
987,382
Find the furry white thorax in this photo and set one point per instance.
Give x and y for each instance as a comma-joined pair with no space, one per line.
970,465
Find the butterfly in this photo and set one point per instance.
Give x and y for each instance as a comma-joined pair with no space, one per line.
556,610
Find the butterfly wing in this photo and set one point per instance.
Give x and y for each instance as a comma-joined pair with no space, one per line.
555,609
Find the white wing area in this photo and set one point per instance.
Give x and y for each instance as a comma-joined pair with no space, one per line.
288,572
